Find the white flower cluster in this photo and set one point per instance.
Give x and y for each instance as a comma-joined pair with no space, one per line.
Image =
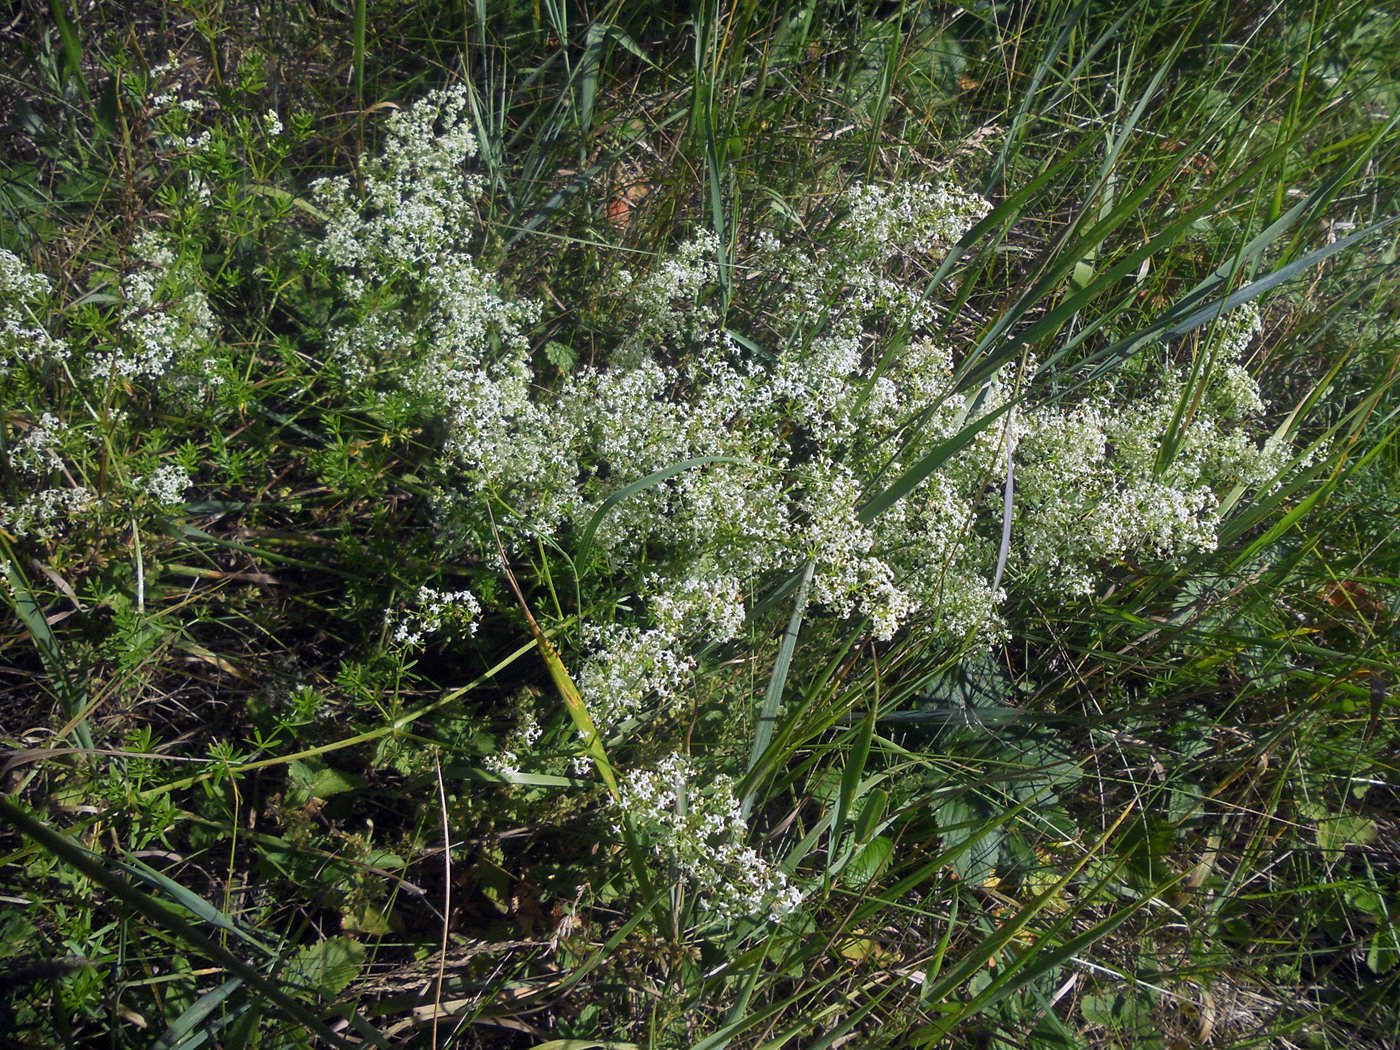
47,513
415,202
36,453
506,762
165,317
704,835
1236,395
1094,484
24,340
872,254
166,484
666,299
456,341
632,667
918,218
432,611
788,443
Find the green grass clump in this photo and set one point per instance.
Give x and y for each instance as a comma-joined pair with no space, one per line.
850,525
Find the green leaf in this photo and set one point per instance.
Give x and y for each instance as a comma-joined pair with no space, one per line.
181,1032
773,696
1335,834
560,355
869,862
327,966
310,779
66,849
1384,952
970,838
1109,1010
31,614
871,812
850,779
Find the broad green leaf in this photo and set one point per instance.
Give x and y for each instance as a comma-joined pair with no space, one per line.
327,966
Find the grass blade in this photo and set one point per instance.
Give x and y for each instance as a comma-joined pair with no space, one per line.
158,913
773,696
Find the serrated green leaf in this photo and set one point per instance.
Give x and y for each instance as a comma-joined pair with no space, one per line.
560,355
327,966
1335,834
311,779
869,861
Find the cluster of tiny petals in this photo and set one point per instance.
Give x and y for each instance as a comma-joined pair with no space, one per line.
630,668
47,513
415,200
430,612
36,453
916,217
507,761
24,338
166,319
166,484
558,459
702,833
1235,394
710,602
665,298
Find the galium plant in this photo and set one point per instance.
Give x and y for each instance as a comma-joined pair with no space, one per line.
759,446
266,447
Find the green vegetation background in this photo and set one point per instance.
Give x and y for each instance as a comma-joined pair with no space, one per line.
1171,817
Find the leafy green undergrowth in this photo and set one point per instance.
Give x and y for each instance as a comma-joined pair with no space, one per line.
859,526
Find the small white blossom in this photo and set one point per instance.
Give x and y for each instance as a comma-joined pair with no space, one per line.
665,298
165,317
36,453
503,763
166,485
430,612
703,834
417,202
48,513
24,339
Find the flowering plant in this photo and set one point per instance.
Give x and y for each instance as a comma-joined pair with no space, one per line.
698,458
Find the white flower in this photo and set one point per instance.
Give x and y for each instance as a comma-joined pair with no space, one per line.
431,611
24,340
166,485
36,453
165,317
48,513
702,833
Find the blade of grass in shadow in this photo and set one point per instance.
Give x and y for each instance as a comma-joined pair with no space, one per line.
157,912
357,44
705,119
851,777
72,46
31,614
181,1034
773,696
977,959
1045,63
587,730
